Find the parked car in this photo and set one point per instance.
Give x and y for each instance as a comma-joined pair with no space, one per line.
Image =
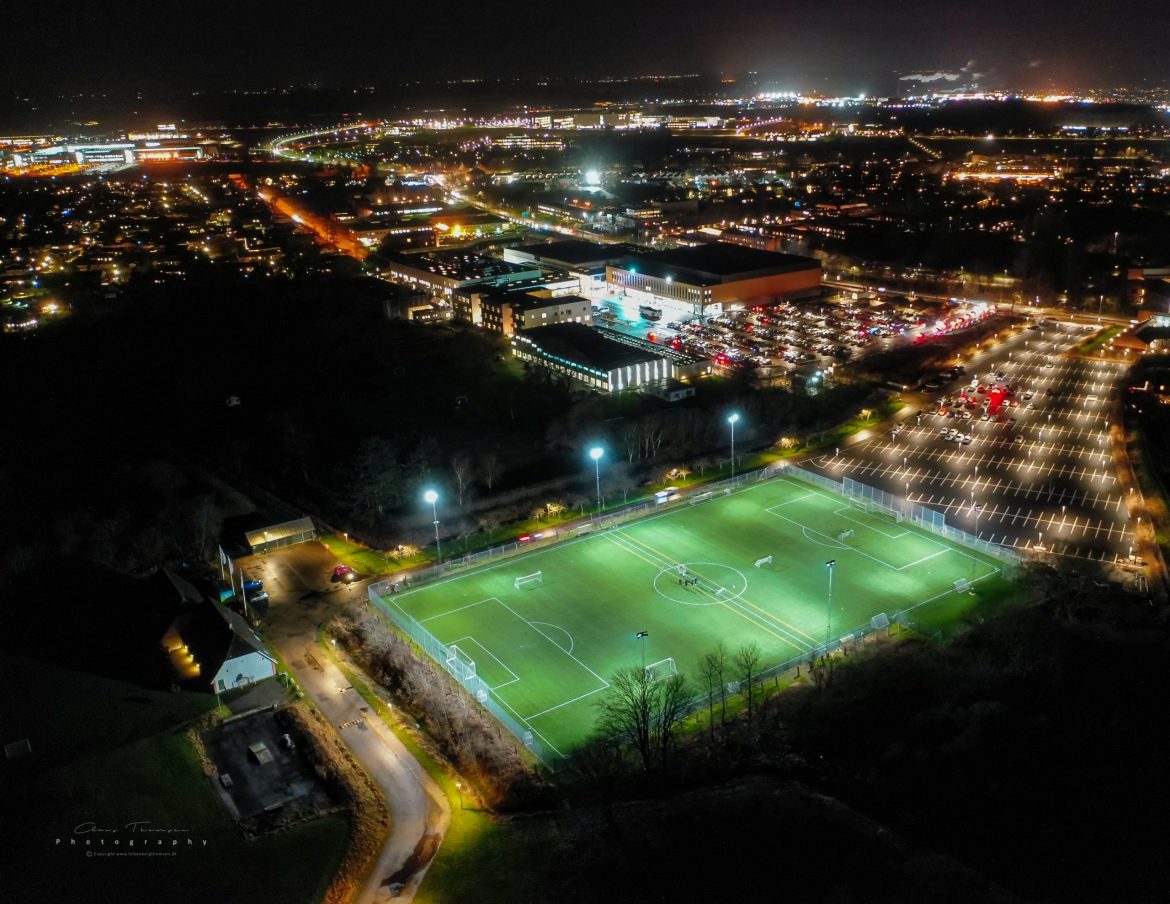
253,584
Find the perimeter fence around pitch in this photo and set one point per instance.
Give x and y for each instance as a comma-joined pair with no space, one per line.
446,657
382,592
918,515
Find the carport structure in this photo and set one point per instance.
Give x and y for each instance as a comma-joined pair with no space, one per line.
277,535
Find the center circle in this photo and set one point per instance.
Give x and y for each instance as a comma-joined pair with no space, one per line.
701,585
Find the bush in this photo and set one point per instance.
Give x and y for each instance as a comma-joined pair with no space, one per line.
479,748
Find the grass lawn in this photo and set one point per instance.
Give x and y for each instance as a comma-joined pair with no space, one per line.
111,753
159,779
1097,342
547,649
66,714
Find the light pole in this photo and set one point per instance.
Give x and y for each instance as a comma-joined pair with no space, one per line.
829,610
731,420
459,788
433,498
595,453
642,635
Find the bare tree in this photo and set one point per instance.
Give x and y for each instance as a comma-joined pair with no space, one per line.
821,669
713,669
673,696
619,480
747,663
631,442
489,467
644,713
461,471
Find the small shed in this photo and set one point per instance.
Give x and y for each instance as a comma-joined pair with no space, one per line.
277,535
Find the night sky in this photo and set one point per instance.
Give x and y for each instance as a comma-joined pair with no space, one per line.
838,46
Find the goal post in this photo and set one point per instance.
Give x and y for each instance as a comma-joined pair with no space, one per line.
460,664
537,577
664,668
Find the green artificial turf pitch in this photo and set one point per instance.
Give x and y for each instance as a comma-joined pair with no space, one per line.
548,648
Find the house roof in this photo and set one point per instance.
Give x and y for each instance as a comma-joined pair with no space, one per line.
209,636
91,619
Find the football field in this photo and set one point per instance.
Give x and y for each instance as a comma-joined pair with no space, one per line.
688,577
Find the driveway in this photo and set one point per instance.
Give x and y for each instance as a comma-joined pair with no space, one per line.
303,594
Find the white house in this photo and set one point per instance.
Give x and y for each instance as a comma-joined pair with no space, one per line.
213,648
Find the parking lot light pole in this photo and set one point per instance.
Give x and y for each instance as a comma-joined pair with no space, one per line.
433,498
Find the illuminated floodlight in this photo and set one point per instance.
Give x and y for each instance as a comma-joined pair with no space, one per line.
431,496
596,452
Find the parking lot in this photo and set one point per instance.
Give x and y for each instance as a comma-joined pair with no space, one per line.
779,338
1036,475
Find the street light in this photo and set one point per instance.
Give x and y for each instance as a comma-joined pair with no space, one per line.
459,788
595,453
731,420
829,611
432,497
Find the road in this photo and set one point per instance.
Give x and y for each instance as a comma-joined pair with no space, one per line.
302,595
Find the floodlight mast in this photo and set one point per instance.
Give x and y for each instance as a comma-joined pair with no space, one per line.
829,610
595,453
433,498
732,420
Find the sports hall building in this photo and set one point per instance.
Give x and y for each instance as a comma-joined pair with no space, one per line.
708,279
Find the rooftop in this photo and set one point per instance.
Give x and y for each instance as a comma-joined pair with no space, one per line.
718,262
584,346
462,266
574,251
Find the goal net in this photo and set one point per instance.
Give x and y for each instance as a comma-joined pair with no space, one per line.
460,664
664,668
536,577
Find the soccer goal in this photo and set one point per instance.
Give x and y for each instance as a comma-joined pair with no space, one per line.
537,577
460,664
664,668
962,585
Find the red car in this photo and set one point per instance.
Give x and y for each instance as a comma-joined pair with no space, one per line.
342,570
